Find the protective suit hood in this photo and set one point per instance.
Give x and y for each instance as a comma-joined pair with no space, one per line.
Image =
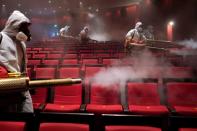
138,24
13,23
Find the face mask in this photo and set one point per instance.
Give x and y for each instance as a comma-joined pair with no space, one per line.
24,29
140,29
21,36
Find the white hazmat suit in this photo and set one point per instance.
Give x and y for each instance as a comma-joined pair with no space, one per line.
13,57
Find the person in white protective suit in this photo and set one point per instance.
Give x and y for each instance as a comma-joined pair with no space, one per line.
64,32
135,38
84,35
13,58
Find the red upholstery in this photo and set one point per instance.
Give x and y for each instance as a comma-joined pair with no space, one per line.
12,126
34,61
45,72
39,55
92,70
188,129
37,48
90,61
63,127
68,95
148,110
57,56
73,56
178,72
50,62
40,95
143,98
185,110
46,52
131,128
143,94
69,61
104,99
67,98
62,108
110,61
182,96
48,49
71,72
97,108
103,55
3,72
87,55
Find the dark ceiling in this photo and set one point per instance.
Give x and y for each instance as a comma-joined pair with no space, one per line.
58,7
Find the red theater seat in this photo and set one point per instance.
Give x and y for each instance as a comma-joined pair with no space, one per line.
34,62
71,56
67,98
131,128
188,129
36,48
12,126
69,62
39,55
63,127
40,95
178,72
103,55
143,98
54,62
53,56
104,99
91,70
110,62
44,51
69,71
182,97
90,61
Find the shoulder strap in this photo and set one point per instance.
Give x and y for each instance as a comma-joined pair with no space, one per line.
1,36
133,34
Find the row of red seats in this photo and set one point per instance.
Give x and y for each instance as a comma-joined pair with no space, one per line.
89,122
142,99
99,97
90,70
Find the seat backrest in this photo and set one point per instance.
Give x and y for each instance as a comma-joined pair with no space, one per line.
90,71
45,72
34,62
178,72
143,94
63,127
40,95
73,56
69,62
68,94
69,72
50,62
53,55
90,61
110,61
104,95
183,94
39,55
12,126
